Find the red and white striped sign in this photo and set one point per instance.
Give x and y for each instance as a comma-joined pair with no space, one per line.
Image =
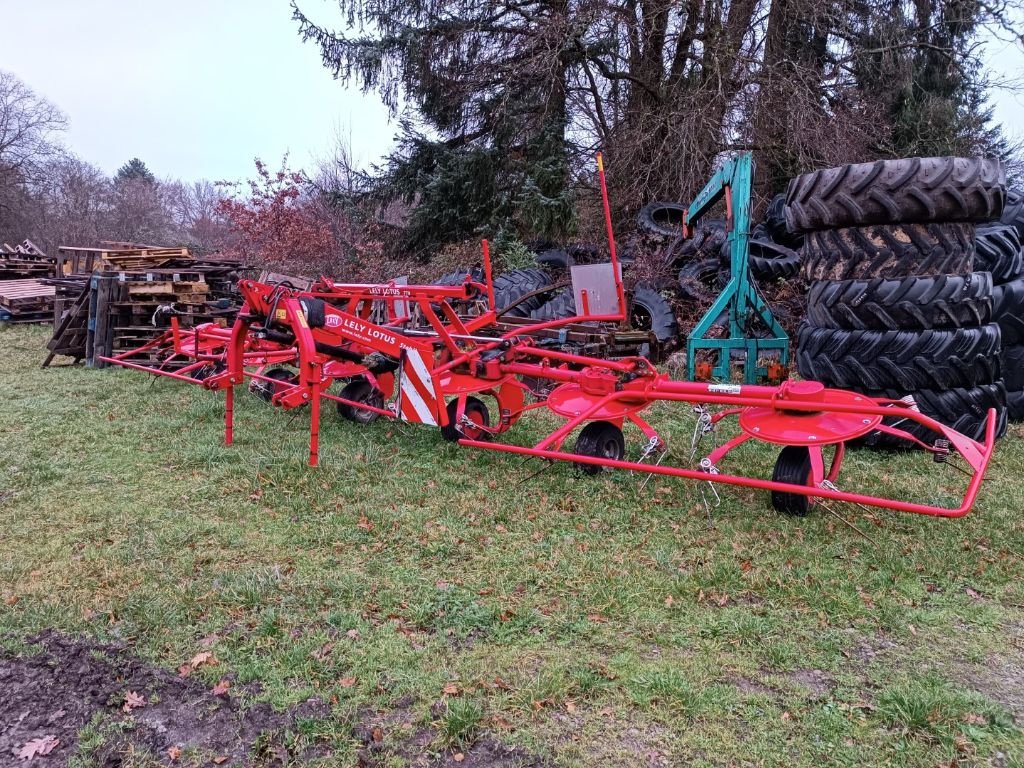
417,401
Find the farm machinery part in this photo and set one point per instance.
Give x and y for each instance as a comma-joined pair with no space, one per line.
739,301
403,352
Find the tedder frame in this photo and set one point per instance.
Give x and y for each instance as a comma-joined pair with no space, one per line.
414,353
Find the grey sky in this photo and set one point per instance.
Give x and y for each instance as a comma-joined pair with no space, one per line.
198,88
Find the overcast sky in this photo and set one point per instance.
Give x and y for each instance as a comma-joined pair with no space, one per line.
198,88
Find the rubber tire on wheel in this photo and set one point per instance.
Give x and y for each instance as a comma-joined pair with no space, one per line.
1011,360
794,468
561,306
1008,310
998,250
476,411
904,360
946,301
361,391
917,189
899,250
599,438
964,410
662,219
265,391
509,287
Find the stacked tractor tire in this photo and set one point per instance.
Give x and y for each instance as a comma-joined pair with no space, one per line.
908,278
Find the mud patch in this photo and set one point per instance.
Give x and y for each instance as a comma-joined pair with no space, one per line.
1000,678
395,733
817,683
64,687
750,687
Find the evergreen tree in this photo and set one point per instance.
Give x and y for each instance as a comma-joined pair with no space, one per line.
134,170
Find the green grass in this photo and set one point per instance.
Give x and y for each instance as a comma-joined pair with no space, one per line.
579,618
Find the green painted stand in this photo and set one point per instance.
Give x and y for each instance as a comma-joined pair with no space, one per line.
740,299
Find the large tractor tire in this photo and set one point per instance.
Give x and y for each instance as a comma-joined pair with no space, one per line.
1008,310
1013,211
650,311
770,261
561,306
903,360
775,224
965,410
946,301
661,219
1011,359
998,250
899,250
913,189
509,287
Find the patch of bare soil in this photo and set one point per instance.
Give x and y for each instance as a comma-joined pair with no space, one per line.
58,691
395,733
1001,677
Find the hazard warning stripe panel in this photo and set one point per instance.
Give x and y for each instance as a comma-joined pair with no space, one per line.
417,400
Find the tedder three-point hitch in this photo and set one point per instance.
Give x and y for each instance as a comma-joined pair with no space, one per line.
411,352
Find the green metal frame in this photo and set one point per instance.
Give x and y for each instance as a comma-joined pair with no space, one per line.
740,299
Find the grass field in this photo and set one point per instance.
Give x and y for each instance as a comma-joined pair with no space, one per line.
579,620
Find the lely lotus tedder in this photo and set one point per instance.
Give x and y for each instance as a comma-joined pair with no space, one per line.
418,354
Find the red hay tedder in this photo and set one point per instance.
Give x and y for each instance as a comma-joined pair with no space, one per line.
407,352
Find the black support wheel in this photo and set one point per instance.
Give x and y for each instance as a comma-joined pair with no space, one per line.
793,467
601,439
360,391
477,414
265,390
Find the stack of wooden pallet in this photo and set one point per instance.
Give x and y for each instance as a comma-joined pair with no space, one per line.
111,300
26,301
24,261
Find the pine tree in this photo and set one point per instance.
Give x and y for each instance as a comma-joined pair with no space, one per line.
135,170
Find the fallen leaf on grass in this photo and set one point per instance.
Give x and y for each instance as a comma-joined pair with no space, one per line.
352,634
377,734
201,658
597,618
42,746
221,760
347,682
364,523
669,601
972,718
221,688
458,757
173,753
132,700
451,689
